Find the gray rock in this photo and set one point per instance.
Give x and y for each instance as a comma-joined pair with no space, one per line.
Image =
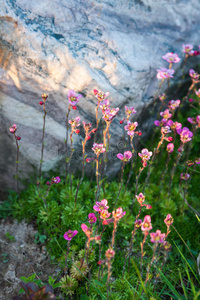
53,46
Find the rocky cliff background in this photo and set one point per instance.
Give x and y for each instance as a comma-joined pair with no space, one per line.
55,45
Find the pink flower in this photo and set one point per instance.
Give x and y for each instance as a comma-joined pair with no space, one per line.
197,92
145,155
13,128
162,97
165,73
86,230
104,214
73,98
168,220
101,205
110,114
174,125
185,176
146,224
165,130
126,157
118,214
171,57
138,223
130,110
104,104
56,179
157,237
194,75
75,122
70,234
110,253
140,198
130,127
98,149
170,148
165,114
92,218
166,245
191,120
197,161
161,123
188,49
101,95
185,134
174,104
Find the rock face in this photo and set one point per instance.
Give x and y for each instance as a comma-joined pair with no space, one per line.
53,46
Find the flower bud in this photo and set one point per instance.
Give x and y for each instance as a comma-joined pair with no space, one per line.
47,183
169,139
74,107
77,131
41,102
121,121
191,100
88,137
18,138
139,133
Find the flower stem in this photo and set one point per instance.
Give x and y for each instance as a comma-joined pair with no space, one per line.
42,151
17,162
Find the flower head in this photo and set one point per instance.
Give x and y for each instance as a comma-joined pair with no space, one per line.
130,127
197,92
73,98
92,218
104,214
104,105
185,176
165,73
170,148
146,224
118,214
129,111
145,155
138,223
56,179
168,220
165,114
194,75
110,253
44,96
75,122
140,198
110,114
185,134
13,128
197,161
70,234
101,95
101,205
171,57
157,237
126,157
173,104
98,149
86,230
188,49
162,97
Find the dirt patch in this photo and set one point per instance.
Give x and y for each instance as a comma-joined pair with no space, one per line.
20,256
